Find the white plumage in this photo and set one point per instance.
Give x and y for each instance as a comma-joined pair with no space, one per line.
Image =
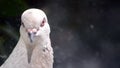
33,49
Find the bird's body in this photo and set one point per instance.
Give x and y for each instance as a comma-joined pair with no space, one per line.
18,58
33,49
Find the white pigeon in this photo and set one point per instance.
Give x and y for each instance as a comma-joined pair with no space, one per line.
33,49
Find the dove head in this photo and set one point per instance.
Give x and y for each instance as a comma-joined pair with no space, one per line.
34,25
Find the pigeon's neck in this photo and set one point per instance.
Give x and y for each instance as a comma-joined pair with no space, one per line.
39,45
42,55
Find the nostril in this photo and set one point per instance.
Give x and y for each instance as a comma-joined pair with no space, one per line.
34,31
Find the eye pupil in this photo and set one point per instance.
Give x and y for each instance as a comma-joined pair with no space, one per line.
43,23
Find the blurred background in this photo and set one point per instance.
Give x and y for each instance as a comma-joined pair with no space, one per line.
84,33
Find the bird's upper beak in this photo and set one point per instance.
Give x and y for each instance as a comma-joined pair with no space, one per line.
31,34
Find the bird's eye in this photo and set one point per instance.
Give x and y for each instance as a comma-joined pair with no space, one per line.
43,22
22,24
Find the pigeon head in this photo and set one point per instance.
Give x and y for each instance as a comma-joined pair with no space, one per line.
34,25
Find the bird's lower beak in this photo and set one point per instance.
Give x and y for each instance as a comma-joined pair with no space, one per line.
31,36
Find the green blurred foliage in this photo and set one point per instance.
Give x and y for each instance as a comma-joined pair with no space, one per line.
10,10
11,7
8,38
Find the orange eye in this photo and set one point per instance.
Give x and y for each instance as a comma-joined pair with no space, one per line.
43,22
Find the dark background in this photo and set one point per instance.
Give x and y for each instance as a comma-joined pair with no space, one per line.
84,33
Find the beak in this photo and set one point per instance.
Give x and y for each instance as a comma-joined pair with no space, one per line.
31,34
